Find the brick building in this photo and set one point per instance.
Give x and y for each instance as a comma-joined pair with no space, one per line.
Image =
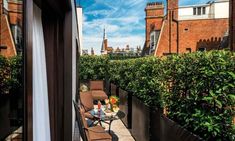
10,27
106,50
186,28
232,25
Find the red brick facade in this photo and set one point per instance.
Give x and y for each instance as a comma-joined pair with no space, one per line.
192,35
154,17
10,16
232,25
182,36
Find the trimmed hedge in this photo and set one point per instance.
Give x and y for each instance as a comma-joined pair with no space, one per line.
93,67
142,77
11,79
197,89
202,95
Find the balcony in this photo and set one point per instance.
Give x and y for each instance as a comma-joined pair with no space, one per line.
170,98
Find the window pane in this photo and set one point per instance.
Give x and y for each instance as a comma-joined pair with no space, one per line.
204,10
194,11
199,11
11,73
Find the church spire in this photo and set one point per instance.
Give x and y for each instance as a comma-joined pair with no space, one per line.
103,42
104,36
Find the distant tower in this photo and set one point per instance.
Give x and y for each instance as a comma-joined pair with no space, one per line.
104,45
92,51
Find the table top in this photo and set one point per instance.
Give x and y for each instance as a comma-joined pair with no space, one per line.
107,117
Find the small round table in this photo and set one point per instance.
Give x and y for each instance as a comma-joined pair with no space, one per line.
108,119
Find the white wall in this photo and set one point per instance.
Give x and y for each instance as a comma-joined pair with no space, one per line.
186,13
213,10
221,10
80,21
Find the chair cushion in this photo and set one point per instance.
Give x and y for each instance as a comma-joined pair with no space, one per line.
99,135
86,99
88,115
96,85
99,95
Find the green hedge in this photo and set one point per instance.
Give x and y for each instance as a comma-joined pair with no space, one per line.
198,89
142,77
202,95
11,79
93,67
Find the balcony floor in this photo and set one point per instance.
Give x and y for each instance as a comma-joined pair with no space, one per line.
118,131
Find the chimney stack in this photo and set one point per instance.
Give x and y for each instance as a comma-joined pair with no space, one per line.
172,8
154,17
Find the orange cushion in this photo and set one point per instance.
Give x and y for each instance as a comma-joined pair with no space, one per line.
99,95
96,85
100,135
87,100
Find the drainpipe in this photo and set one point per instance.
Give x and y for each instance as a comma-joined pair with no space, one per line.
170,19
177,25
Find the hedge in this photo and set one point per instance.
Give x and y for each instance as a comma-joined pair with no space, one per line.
11,75
202,96
142,77
93,67
197,89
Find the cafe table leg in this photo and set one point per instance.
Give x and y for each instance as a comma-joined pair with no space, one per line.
110,126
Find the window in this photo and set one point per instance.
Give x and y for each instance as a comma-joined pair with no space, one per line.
152,42
11,94
188,50
204,10
199,12
194,11
201,49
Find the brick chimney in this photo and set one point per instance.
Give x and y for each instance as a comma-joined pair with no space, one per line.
172,8
154,16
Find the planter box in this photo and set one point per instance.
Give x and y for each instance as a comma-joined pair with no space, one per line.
125,106
151,125
107,87
164,129
141,122
5,122
114,89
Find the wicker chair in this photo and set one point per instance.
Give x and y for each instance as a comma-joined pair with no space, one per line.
97,90
95,133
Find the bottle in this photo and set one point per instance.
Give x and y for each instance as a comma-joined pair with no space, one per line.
99,107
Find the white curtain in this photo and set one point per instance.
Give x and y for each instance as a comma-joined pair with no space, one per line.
41,123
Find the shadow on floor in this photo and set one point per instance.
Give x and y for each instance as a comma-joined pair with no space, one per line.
114,136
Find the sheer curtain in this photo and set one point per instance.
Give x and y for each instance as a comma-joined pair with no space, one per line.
41,123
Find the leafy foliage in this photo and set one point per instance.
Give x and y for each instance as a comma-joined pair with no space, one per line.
201,96
197,89
93,67
10,75
140,76
4,75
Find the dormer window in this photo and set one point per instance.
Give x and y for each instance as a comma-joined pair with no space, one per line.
199,10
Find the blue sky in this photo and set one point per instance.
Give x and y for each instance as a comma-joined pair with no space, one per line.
123,20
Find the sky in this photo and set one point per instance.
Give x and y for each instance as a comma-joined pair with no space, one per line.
123,20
